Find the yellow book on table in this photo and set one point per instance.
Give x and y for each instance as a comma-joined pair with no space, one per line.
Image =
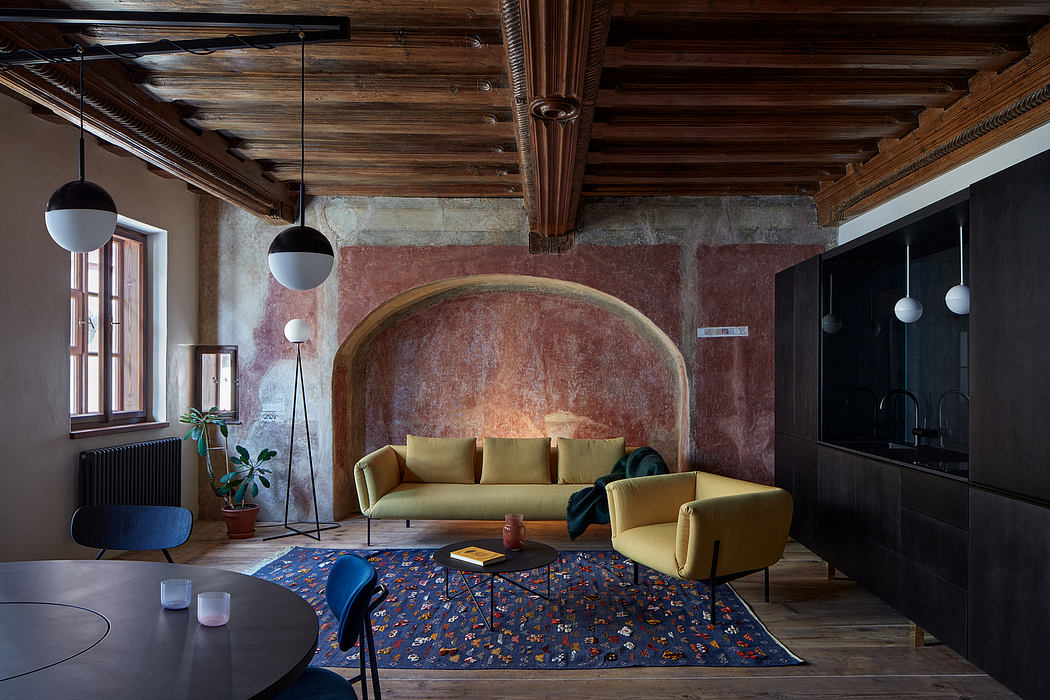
477,555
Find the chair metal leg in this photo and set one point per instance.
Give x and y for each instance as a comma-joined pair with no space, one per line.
767,584
408,523
100,553
361,658
168,556
368,537
372,658
635,572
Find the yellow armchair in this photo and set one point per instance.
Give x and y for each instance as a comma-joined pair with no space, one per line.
699,527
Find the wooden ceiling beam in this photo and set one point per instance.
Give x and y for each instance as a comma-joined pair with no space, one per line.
338,189
554,51
714,172
702,151
641,8
119,113
999,107
726,188
283,88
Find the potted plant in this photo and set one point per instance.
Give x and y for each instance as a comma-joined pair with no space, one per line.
200,433
236,485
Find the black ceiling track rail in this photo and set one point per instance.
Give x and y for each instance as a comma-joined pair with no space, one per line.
317,29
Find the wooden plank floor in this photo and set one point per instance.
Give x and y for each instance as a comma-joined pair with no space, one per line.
854,644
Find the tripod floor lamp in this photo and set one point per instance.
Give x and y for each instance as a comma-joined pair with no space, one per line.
298,332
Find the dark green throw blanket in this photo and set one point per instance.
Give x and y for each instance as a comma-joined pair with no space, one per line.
591,505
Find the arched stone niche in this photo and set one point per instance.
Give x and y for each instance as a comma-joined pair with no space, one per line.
504,355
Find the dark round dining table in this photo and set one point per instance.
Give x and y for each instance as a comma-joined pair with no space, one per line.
96,629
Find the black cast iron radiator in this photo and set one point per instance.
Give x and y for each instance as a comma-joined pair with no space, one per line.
138,474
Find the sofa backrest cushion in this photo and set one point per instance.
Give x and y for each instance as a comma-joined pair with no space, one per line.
583,461
516,461
439,460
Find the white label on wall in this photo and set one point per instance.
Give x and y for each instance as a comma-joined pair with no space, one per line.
722,332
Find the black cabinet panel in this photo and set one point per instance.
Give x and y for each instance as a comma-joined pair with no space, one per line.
935,604
784,462
878,499
836,486
878,569
935,546
1008,591
937,497
806,527
784,351
806,278
1009,333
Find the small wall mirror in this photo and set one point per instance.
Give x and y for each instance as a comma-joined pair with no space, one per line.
215,367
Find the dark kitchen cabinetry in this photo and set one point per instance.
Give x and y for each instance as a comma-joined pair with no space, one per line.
954,534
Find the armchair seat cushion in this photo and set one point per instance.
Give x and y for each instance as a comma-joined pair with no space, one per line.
649,544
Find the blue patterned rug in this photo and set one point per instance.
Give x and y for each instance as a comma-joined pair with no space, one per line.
597,617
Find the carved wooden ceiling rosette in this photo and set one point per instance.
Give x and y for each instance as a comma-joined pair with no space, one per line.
554,51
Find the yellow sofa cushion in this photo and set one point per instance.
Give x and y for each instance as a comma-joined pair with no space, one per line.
583,461
515,461
475,502
439,460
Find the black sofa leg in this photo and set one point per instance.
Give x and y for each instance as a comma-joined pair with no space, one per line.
368,537
408,523
635,572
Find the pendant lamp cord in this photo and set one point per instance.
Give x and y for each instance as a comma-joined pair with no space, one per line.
961,280
302,125
907,270
80,50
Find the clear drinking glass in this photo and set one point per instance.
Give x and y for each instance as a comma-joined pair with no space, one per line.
175,593
213,608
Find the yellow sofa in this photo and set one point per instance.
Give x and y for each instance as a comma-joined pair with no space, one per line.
698,526
383,494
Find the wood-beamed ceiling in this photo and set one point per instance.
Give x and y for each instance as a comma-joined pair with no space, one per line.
829,98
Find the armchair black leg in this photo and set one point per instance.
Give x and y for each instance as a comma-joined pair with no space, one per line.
408,523
100,553
167,556
714,568
635,572
368,537
767,584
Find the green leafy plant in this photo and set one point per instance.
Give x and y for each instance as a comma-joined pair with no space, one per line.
242,480
200,434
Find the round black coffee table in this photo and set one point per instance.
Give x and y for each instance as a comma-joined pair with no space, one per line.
535,555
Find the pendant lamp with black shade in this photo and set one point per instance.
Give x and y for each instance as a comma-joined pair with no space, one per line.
300,257
80,215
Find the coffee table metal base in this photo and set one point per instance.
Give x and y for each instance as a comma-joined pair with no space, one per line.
467,588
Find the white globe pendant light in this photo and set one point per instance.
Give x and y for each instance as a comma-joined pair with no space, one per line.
831,324
297,331
958,297
80,215
908,309
301,257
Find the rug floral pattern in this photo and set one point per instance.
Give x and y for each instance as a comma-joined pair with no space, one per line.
597,617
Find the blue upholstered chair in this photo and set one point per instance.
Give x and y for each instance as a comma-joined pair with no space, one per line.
131,527
352,593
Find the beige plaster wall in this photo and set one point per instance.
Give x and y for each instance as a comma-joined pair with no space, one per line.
38,460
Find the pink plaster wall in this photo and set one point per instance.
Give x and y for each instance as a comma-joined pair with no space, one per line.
517,364
646,277
733,377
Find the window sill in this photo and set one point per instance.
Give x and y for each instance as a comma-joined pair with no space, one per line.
114,429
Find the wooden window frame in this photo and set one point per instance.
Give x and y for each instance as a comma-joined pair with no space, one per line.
108,417
199,351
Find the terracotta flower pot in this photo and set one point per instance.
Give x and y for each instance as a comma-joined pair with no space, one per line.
240,522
